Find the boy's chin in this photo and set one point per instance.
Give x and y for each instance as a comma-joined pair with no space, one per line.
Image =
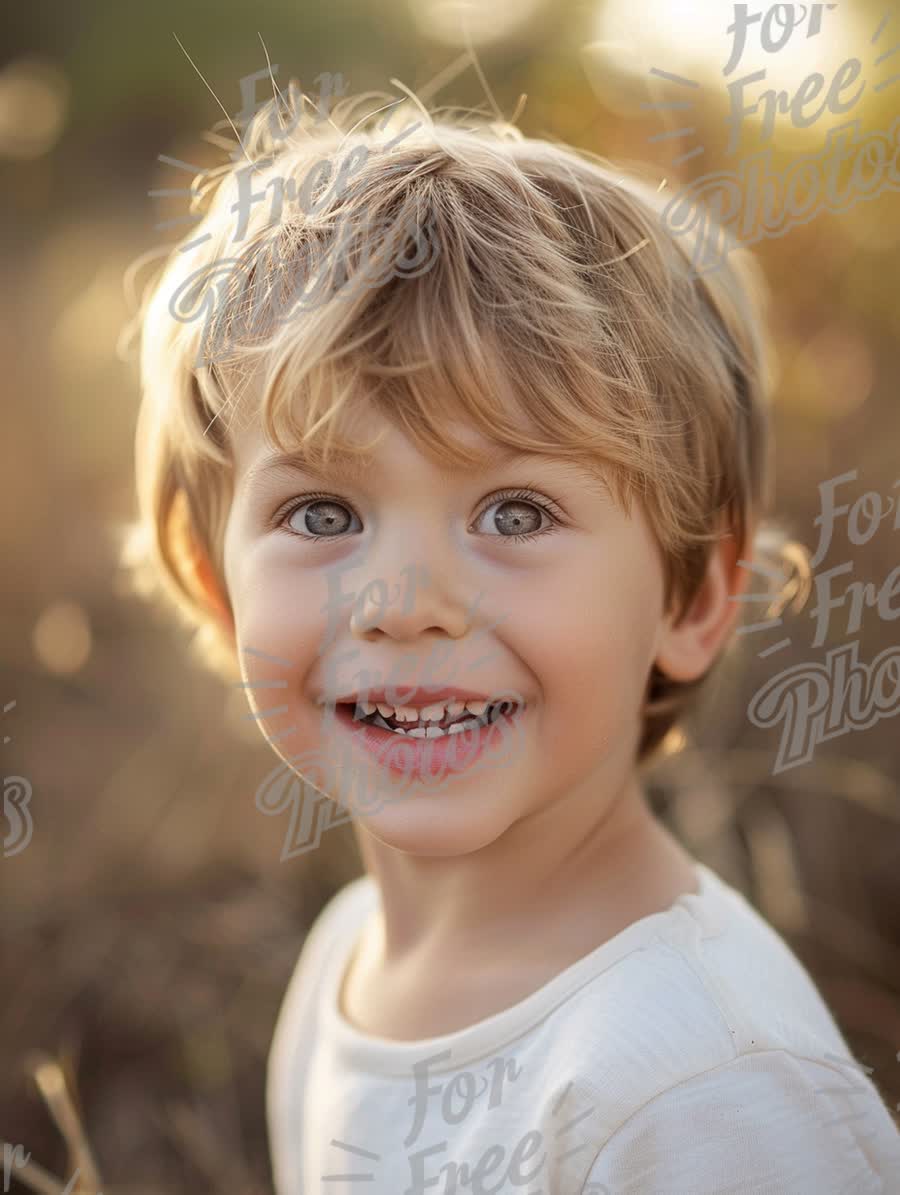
440,824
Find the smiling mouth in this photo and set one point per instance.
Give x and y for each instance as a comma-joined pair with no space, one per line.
427,728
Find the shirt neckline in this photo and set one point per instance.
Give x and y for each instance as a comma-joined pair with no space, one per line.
387,1056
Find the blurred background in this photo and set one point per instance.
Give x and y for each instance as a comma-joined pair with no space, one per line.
148,928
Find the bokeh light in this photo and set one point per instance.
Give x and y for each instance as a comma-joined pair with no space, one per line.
693,35
62,638
833,372
33,101
451,21
691,38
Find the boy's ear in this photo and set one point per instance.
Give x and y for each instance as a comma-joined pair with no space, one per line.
195,562
209,589
689,647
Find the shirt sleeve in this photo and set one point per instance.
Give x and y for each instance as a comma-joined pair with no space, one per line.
766,1123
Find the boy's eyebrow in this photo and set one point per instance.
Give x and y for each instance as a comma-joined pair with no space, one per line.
353,467
292,462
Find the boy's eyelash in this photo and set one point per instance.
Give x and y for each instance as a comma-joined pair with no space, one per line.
282,516
524,495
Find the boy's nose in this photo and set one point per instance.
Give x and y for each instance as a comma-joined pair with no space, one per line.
403,611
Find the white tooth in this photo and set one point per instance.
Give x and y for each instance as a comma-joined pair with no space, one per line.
397,730
369,707
405,713
455,728
417,732
386,711
472,724
476,707
433,713
433,732
455,708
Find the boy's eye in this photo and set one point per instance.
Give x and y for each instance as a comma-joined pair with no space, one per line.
520,516
320,517
515,517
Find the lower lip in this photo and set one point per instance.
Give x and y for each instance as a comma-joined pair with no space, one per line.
424,759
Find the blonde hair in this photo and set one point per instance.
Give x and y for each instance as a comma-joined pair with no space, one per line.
551,290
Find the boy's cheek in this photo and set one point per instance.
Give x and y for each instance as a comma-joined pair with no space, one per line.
599,679
286,624
273,601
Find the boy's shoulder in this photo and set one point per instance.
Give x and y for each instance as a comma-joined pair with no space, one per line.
329,934
698,986
709,1050
335,926
703,1008
333,929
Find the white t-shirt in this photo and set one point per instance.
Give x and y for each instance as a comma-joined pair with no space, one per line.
691,1054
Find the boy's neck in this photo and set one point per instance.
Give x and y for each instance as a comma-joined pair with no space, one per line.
559,885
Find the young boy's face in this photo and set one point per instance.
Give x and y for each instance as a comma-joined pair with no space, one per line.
569,618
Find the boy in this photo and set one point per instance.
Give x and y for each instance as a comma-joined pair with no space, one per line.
528,448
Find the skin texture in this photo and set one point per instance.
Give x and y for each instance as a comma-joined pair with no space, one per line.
494,883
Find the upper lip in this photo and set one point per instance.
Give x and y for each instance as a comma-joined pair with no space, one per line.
414,698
